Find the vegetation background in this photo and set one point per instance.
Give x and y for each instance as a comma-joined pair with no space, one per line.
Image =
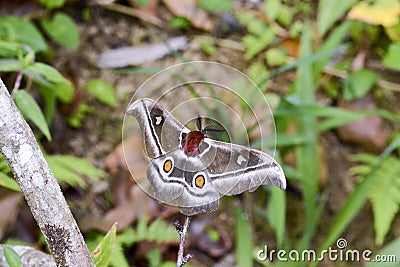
330,70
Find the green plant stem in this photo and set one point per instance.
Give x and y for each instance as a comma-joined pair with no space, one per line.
307,154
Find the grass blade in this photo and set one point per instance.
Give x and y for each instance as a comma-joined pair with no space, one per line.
306,155
244,243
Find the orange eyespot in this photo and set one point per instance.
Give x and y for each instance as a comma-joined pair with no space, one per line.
167,165
199,181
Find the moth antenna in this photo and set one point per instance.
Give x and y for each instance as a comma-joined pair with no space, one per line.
198,122
210,129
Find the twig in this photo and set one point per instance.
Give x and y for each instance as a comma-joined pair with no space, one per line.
17,83
182,231
137,13
39,187
382,83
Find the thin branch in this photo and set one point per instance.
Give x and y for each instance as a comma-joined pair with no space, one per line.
382,83
39,187
182,231
137,13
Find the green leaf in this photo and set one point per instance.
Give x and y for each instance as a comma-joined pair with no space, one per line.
154,257
3,165
21,31
272,8
255,44
276,57
75,120
244,243
49,103
8,65
12,257
48,72
64,91
358,84
52,4
277,213
102,253
30,110
285,16
216,5
9,49
258,73
257,27
180,22
63,30
392,57
102,91
329,11
208,48
7,182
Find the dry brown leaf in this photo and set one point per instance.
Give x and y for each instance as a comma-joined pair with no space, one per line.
291,46
368,132
9,206
138,204
149,8
189,9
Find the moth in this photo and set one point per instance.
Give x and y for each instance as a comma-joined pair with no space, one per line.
191,171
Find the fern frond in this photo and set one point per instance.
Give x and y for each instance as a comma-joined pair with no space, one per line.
69,169
158,231
385,191
385,196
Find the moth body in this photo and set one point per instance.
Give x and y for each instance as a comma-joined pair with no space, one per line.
192,143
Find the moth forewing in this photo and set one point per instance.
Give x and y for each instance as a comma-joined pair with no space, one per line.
160,130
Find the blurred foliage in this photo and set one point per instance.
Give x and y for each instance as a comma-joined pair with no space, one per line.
21,42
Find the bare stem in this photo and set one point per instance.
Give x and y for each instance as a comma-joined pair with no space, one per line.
182,231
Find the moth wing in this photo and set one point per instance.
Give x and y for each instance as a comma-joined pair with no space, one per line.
163,189
161,131
234,169
172,178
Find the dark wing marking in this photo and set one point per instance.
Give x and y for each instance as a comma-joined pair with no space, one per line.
161,131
